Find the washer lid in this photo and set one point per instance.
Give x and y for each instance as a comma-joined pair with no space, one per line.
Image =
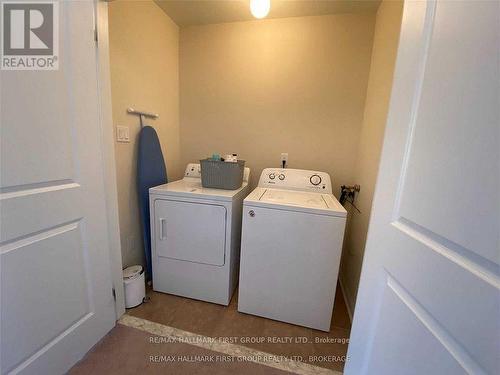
132,272
325,204
295,198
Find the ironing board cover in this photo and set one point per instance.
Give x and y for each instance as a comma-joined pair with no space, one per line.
151,171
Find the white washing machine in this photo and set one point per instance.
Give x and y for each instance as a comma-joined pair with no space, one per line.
195,237
292,234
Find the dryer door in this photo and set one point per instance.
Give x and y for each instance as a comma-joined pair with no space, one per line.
194,232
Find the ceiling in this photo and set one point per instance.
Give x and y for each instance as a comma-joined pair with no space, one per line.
202,12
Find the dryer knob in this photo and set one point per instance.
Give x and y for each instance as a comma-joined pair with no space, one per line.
251,213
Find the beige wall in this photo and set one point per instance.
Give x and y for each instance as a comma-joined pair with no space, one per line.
309,86
144,47
385,45
260,88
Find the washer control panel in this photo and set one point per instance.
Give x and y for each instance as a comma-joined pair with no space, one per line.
315,179
296,179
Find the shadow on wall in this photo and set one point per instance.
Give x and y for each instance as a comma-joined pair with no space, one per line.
144,53
260,88
386,38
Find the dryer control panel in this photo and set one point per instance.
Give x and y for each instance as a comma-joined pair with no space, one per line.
296,179
194,170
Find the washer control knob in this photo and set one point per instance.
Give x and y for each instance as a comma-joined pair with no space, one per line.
315,179
251,213
281,176
272,176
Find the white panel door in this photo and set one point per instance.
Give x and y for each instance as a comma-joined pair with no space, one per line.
195,232
429,299
56,297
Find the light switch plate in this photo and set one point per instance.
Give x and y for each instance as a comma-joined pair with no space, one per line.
122,134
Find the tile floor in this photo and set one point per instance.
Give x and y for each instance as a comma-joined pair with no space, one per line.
321,349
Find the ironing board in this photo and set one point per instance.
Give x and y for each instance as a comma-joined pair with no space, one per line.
151,171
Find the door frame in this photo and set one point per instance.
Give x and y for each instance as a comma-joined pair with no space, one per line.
107,147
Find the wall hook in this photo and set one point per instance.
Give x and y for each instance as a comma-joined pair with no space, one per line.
142,115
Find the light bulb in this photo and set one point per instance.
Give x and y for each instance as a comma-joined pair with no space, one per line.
260,8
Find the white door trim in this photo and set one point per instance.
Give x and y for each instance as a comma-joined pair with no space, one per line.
108,154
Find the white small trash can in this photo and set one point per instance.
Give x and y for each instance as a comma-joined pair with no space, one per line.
134,285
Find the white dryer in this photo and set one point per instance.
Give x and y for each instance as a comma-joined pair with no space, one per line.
195,237
292,234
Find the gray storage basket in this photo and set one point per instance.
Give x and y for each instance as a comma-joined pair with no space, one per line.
222,175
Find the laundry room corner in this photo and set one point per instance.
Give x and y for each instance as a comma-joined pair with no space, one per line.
144,44
383,60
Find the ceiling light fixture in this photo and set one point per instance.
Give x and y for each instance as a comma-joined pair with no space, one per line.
260,8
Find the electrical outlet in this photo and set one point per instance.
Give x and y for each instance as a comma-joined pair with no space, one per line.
122,134
284,158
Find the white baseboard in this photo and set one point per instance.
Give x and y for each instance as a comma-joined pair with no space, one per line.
347,297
